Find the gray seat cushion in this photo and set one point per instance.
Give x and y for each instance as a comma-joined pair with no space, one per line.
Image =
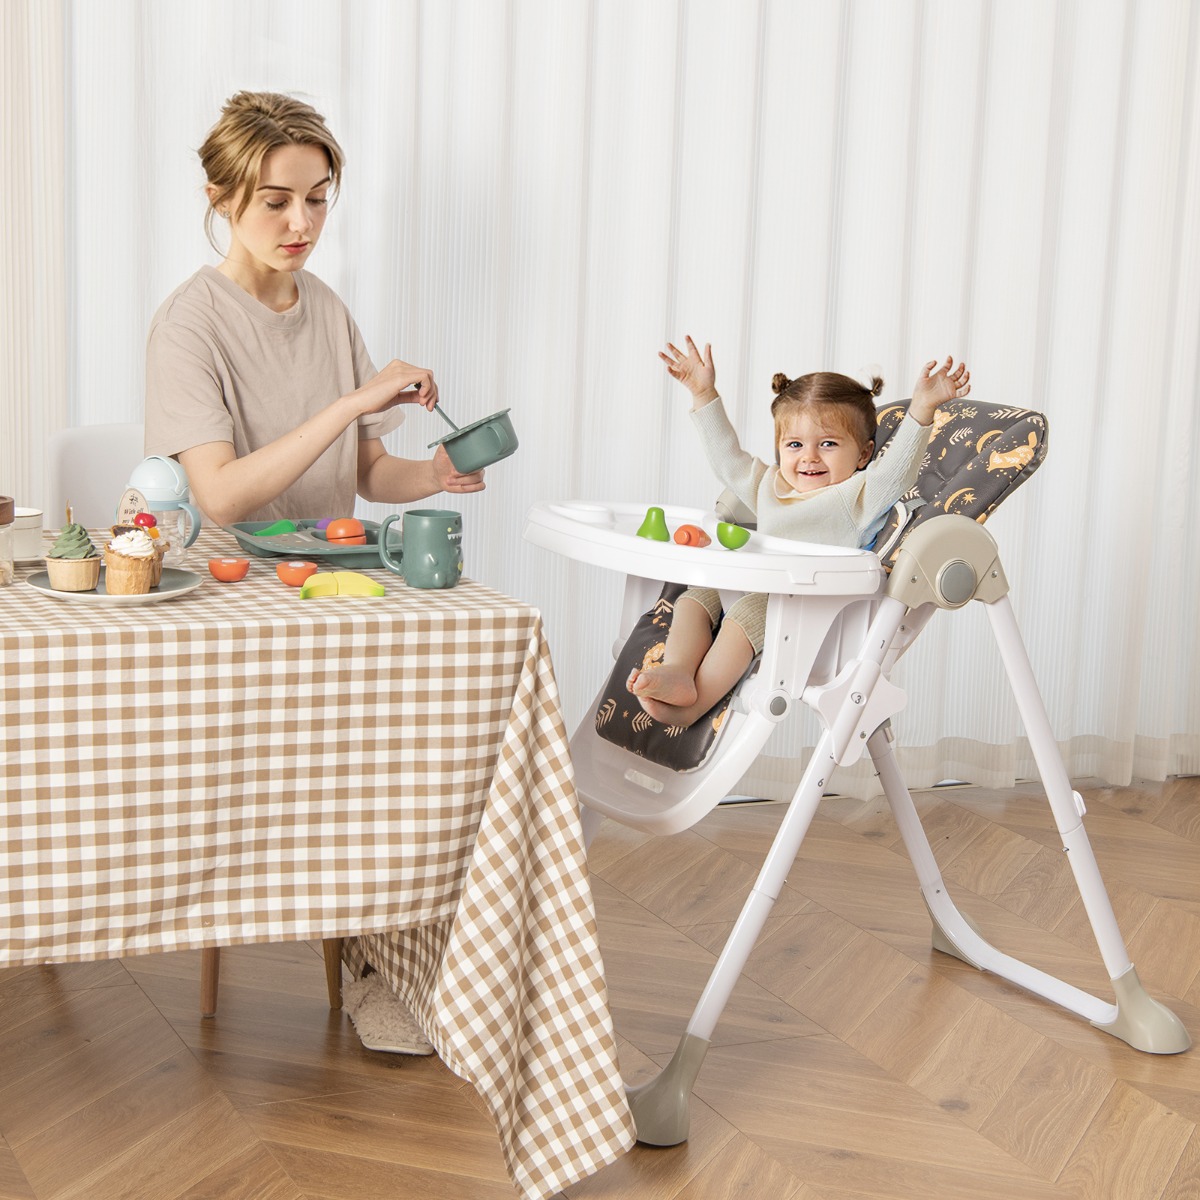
622,720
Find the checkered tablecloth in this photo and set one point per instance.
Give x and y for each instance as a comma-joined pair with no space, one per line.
240,765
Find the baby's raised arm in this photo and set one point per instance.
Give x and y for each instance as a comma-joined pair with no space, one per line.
694,370
931,391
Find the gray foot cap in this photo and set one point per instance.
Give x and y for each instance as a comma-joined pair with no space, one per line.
1142,1021
660,1107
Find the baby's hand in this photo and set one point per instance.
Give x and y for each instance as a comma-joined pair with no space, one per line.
931,391
693,369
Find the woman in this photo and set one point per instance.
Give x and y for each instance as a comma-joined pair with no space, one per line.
257,378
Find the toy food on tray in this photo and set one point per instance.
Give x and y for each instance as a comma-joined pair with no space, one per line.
348,541
345,531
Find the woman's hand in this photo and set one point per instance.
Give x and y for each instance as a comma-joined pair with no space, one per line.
693,369
931,391
450,480
398,383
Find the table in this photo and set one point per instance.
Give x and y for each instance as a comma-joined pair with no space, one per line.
239,765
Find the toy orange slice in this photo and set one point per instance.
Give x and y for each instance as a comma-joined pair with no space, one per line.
294,572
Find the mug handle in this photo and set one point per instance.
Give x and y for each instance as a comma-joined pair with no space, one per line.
193,522
385,557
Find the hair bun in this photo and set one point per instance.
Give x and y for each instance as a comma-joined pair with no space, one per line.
779,381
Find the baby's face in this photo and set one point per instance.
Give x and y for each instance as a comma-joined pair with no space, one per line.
814,452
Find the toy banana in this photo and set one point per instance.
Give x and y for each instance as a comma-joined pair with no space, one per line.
340,583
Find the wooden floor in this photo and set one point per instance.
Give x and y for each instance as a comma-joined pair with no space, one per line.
853,1061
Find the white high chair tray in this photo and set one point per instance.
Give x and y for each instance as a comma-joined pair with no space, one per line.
605,535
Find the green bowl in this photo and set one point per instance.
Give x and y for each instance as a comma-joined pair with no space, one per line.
481,443
732,537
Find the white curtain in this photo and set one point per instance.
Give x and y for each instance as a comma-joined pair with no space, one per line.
33,277
539,193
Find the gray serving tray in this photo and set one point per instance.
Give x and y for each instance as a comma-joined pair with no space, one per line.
309,543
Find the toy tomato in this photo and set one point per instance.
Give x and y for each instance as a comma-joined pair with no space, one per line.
346,531
294,572
228,570
145,520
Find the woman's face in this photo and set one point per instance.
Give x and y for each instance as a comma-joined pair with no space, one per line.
286,212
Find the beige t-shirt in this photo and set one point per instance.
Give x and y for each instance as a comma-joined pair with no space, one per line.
221,367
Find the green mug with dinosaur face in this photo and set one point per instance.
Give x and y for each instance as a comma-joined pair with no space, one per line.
431,550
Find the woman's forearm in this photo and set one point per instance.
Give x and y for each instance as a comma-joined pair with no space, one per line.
391,480
228,488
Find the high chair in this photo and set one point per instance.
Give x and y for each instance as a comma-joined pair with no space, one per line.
837,622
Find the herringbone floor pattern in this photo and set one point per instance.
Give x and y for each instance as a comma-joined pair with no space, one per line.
853,1061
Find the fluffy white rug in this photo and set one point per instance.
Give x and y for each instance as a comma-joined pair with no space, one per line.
381,1019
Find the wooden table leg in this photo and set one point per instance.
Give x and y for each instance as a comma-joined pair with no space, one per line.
333,970
210,973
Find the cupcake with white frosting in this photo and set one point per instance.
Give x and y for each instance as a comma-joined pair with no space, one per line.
129,562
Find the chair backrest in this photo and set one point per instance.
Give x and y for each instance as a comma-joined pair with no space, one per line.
978,455
88,467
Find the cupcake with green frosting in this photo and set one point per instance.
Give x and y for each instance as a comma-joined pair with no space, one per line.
73,563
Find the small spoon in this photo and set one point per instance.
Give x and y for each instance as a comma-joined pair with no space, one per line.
437,408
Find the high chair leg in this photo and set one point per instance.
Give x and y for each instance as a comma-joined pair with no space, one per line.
1066,804
954,933
661,1107
1136,1018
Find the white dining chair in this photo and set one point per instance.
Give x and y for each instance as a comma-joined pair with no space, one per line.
88,467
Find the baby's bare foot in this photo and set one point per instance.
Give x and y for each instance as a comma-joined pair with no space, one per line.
679,716
665,714
670,685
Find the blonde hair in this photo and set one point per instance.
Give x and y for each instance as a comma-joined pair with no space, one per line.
253,124
852,403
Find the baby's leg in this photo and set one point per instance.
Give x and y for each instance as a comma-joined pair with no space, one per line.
740,639
673,681
723,665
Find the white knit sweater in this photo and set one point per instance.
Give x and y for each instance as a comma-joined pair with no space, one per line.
843,514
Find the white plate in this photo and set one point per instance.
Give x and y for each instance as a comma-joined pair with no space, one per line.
175,583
